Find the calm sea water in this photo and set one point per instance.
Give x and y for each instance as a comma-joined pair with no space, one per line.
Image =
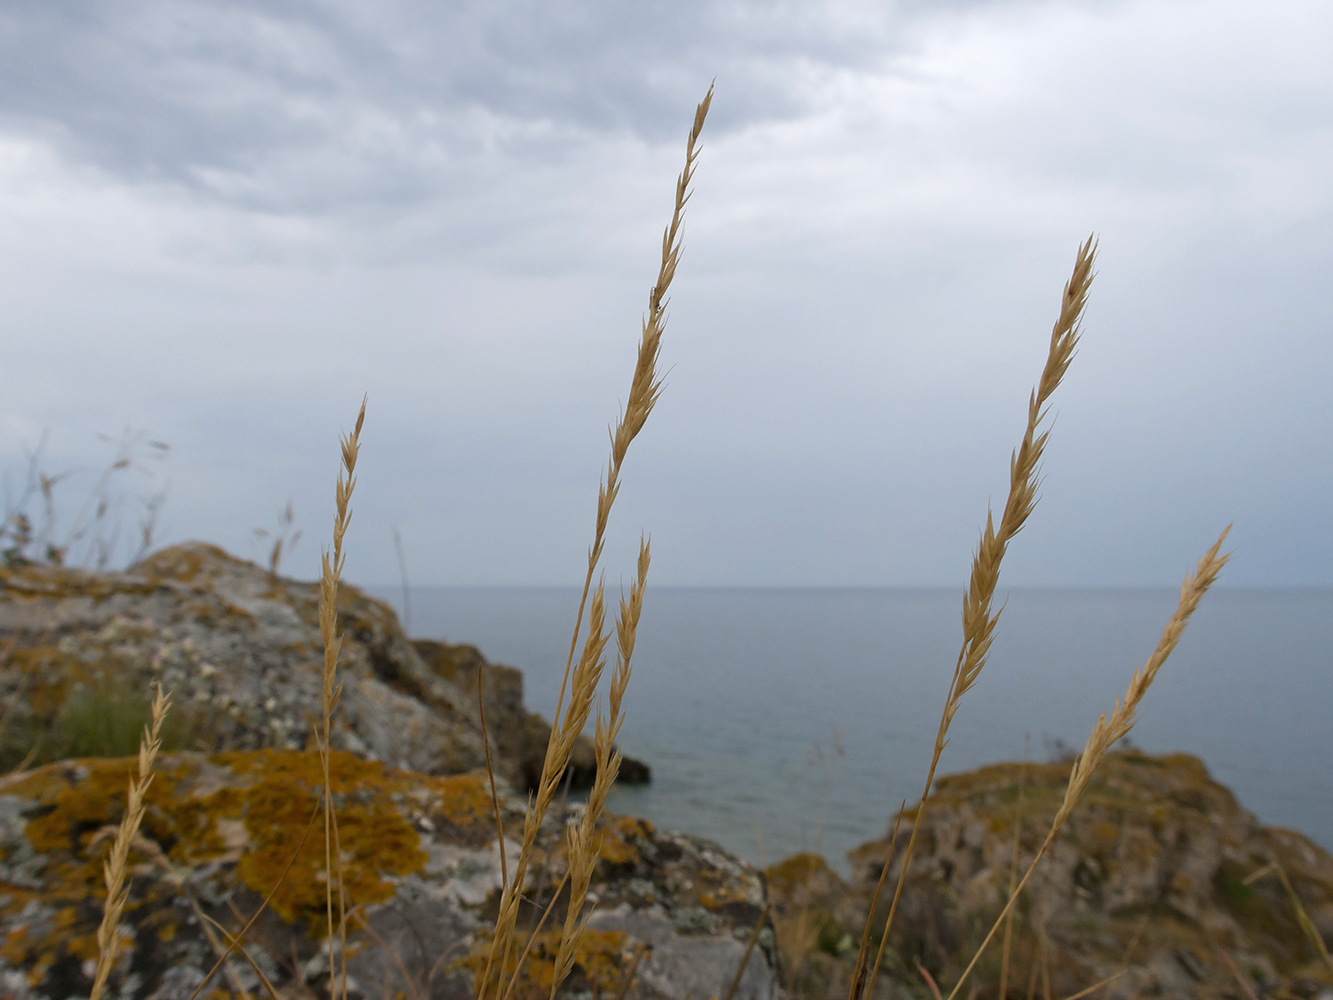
780,720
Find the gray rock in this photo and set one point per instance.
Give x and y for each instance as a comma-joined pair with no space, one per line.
240,650
422,867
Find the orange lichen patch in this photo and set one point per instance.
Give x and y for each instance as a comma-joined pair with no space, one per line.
183,562
14,949
32,659
259,815
375,840
61,582
795,871
251,807
77,800
619,839
463,799
716,890
602,959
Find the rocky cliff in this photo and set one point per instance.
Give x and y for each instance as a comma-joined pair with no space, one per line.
227,813
1160,879
240,650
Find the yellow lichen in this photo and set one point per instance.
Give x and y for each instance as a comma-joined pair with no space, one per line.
619,838
794,871
374,838
250,807
601,960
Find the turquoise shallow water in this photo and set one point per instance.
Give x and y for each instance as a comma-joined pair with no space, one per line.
778,720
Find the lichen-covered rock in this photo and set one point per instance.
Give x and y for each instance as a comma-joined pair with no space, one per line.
421,866
240,650
1153,876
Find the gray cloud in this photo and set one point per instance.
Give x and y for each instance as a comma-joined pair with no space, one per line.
224,222
390,97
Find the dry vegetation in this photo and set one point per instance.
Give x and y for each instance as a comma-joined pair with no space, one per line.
499,974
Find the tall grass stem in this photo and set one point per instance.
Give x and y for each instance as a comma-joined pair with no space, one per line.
331,573
1109,729
580,680
1024,469
116,866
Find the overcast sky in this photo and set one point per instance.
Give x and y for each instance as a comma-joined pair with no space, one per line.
222,223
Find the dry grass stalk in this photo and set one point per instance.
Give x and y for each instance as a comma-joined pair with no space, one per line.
978,620
863,977
1044,949
413,990
1013,882
745,955
236,940
490,774
930,981
117,892
632,971
645,387
1236,974
210,927
583,841
328,630
1109,729
563,735
532,938
1302,916
1089,990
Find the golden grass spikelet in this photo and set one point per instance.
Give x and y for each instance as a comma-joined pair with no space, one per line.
1107,730
117,892
558,749
646,385
331,572
1024,465
580,684
587,675
627,624
583,844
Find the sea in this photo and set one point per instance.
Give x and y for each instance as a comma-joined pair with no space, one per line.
786,720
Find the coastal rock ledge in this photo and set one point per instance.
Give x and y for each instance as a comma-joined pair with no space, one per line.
240,650
422,869
1160,883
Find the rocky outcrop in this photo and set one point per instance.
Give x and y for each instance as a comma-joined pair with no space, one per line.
1159,878
519,735
240,650
422,867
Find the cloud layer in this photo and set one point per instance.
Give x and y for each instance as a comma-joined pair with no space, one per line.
225,224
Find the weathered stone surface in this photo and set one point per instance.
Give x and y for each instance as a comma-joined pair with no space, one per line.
240,650
422,869
1152,866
